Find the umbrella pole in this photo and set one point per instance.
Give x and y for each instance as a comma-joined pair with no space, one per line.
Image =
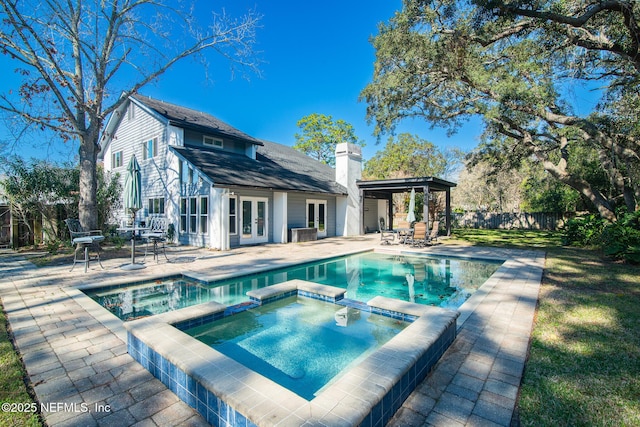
133,237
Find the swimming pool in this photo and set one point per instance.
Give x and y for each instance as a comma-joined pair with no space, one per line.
430,280
299,342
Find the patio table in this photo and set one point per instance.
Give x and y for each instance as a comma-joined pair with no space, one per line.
134,230
403,233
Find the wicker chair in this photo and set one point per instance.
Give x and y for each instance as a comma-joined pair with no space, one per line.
419,237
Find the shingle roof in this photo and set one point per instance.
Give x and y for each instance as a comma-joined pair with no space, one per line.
192,119
276,167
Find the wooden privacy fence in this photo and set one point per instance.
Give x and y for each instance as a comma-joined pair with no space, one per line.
507,220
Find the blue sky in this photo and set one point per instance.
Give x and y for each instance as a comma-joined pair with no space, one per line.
317,59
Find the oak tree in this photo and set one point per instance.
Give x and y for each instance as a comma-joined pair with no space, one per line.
514,64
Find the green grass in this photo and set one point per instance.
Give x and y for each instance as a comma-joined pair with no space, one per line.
523,239
584,362
12,385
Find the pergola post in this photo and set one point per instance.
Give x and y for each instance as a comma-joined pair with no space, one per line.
361,197
390,211
425,205
447,210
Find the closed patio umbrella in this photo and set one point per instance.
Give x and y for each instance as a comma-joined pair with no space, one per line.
133,188
132,204
411,216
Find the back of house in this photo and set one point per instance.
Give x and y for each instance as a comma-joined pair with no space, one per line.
222,188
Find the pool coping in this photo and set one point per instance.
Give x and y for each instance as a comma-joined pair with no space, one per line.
378,383
116,325
466,309
69,354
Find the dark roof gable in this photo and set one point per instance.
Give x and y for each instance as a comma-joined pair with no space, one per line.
276,167
191,119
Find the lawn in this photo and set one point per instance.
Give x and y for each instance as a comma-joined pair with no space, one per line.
584,362
13,391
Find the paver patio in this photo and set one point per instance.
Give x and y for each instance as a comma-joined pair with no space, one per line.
75,352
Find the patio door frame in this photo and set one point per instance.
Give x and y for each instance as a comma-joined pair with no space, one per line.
253,235
316,220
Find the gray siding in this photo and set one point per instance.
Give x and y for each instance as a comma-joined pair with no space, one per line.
194,139
297,210
130,138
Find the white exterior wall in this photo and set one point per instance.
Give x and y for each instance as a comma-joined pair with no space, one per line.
383,212
172,195
341,215
218,219
348,170
280,219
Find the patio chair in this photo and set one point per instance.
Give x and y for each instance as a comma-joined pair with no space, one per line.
156,235
84,240
404,231
419,237
434,232
386,236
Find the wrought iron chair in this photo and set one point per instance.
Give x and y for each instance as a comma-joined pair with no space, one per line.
386,236
84,240
156,235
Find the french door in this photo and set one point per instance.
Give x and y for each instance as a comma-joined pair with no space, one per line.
317,216
254,221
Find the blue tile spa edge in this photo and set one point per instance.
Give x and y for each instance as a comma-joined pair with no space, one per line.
229,394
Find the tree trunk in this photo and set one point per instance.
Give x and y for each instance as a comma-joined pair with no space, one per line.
88,205
599,201
559,171
629,199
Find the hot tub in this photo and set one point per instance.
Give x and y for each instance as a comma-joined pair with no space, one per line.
227,392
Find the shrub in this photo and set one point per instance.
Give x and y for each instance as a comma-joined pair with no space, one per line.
621,239
583,231
53,246
117,241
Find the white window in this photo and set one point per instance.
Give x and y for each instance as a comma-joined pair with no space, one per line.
183,215
156,206
116,159
204,214
210,141
131,112
151,148
189,215
233,215
193,215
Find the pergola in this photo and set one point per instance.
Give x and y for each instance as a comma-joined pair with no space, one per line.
385,188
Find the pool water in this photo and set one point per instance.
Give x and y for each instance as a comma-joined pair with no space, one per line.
440,281
300,343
